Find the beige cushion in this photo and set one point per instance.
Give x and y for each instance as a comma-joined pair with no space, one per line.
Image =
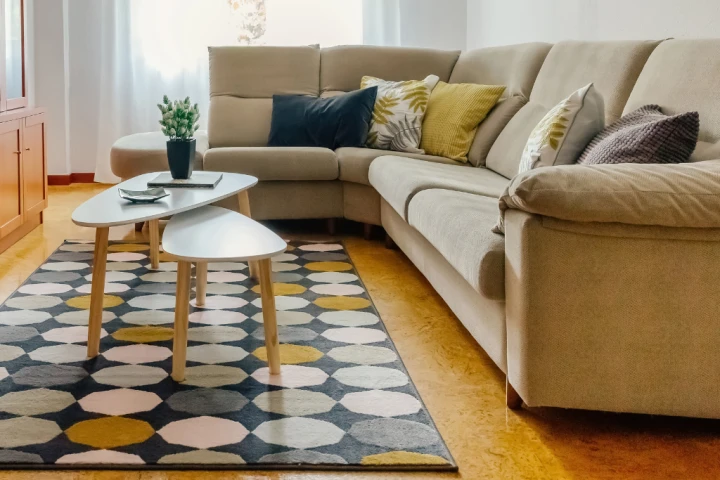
398,179
489,130
261,72
355,162
239,122
613,67
683,76
682,195
458,225
343,67
275,163
140,153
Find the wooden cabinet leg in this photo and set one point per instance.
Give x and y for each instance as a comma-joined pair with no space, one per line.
139,226
272,343
154,228
512,398
97,291
201,269
182,297
244,208
332,226
389,242
367,231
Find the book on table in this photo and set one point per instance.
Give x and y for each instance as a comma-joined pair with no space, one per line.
196,180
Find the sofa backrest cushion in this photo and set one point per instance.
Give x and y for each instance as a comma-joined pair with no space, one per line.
516,67
683,76
613,67
242,83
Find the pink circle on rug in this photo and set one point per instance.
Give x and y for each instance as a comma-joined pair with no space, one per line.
321,247
125,257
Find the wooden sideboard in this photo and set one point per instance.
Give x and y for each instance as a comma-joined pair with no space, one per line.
23,173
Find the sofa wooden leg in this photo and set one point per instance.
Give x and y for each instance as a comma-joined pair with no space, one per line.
389,242
512,399
367,231
332,225
139,226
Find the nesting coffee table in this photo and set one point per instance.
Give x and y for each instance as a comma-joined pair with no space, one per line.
107,210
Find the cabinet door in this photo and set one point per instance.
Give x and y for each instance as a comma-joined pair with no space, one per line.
11,201
33,165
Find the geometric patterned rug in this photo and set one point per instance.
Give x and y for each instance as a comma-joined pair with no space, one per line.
343,400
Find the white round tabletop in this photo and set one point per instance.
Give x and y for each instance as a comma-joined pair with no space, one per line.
107,209
214,234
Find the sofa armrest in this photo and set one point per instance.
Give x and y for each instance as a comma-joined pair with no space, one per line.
684,195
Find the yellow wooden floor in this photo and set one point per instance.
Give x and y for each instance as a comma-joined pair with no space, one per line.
461,386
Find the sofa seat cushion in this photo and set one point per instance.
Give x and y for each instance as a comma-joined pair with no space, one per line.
458,225
274,163
355,162
398,179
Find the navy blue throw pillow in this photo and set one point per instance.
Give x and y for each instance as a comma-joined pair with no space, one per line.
302,121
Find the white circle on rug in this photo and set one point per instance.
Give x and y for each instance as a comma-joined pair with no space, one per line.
59,354
321,247
203,432
338,289
149,317
211,376
284,267
70,334
381,403
284,303
286,318
355,335
363,354
10,352
284,257
299,432
221,302
81,317
138,354
216,334
367,376
64,266
224,289
226,266
225,277
332,277
100,457
23,317
212,354
217,317
35,302
78,247
44,288
125,256
160,277
291,376
120,401
153,302
109,288
130,375
348,318
111,277
122,266
167,267
3,373
294,402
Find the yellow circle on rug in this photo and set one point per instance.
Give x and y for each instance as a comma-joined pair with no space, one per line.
292,354
342,303
329,266
83,301
128,247
143,334
403,458
110,432
283,289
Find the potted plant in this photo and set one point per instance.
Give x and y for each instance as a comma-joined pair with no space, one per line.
179,123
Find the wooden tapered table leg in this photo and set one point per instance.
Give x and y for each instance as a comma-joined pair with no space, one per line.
182,297
201,269
154,228
244,208
272,343
97,291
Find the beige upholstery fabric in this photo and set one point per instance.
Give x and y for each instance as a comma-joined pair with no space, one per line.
361,203
483,318
342,67
613,324
239,122
140,153
458,225
261,72
490,128
683,76
515,66
613,67
399,179
275,163
355,162
683,195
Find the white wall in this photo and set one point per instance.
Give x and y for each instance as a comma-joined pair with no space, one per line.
433,24
502,22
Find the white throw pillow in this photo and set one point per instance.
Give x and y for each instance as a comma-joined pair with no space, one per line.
564,132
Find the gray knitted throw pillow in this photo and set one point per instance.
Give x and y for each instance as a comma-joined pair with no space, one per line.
645,135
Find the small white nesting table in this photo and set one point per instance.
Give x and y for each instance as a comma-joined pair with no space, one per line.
107,210
214,234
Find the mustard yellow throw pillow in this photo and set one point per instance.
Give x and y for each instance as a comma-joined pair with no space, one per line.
453,114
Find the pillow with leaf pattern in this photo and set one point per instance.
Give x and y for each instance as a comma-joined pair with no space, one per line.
398,115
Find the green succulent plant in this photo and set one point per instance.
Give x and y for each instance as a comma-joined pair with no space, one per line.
179,118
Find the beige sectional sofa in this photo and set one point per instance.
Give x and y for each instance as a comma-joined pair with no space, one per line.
604,292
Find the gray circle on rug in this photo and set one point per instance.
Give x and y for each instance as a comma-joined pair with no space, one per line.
394,433
288,334
156,288
13,456
207,401
325,257
49,375
303,456
71,257
17,334
284,277
53,277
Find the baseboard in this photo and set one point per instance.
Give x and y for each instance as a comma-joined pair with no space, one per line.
72,178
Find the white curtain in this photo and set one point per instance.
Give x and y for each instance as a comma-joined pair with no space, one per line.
381,22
